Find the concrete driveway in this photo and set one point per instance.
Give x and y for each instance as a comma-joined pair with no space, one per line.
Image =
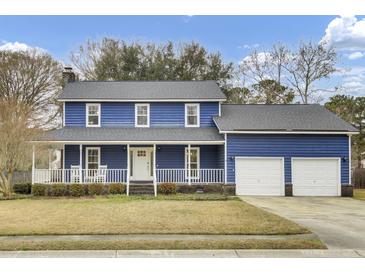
339,222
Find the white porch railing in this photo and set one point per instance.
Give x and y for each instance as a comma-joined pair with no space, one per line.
201,176
73,176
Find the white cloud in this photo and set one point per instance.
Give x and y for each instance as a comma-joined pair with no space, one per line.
247,46
356,55
346,33
262,57
16,46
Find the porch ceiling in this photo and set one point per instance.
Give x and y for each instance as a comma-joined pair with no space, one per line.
132,135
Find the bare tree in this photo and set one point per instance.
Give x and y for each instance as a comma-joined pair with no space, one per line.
311,63
15,130
32,79
265,72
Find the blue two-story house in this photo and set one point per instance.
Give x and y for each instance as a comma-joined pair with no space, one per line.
182,132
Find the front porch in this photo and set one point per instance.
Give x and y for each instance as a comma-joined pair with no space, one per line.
133,163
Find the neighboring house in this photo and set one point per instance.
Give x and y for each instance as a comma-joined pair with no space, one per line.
182,132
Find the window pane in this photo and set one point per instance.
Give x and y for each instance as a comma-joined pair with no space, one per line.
93,120
93,110
142,120
142,110
192,110
192,120
194,156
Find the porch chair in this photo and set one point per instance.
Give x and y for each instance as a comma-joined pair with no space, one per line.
75,174
101,174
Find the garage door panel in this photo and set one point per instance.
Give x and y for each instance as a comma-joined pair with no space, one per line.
315,177
259,176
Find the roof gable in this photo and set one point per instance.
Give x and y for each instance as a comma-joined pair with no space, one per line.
142,91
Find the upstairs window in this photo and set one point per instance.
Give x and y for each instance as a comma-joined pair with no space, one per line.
142,113
93,115
192,115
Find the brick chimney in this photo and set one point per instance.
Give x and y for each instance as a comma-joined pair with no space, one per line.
68,75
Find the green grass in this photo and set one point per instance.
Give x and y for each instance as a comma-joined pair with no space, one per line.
159,244
359,194
180,214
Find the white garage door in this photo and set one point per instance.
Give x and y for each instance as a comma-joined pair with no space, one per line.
259,176
316,177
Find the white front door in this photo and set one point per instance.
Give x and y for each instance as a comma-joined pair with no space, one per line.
141,164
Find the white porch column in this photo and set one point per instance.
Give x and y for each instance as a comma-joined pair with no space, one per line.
80,163
128,169
350,156
189,166
154,170
225,158
33,164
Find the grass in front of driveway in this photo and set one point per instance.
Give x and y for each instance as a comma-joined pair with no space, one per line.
136,215
160,244
359,194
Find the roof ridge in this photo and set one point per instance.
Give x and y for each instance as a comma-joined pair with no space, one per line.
141,81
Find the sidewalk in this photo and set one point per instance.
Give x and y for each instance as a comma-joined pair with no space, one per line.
239,253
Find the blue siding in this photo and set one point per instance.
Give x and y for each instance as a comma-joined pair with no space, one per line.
117,114
114,156
172,156
207,112
75,114
121,114
287,146
167,115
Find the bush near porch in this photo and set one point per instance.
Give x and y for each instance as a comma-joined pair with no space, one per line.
77,190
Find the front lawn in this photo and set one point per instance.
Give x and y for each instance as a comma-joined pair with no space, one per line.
130,215
359,194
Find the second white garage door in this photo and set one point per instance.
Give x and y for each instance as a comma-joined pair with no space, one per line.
316,177
259,176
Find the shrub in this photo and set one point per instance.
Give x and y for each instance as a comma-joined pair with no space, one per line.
213,188
40,189
116,188
167,188
229,189
77,190
22,188
95,189
58,190
187,189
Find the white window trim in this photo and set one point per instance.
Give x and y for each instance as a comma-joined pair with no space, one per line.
186,162
87,156
198,115
87,115
136,115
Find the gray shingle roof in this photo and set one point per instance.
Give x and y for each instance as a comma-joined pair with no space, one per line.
132,134
142,90
280,118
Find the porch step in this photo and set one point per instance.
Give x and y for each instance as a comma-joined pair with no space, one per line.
141,189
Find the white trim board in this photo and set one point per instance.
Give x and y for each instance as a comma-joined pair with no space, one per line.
134,142
142,100
290,132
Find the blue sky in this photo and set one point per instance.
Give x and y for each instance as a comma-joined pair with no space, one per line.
233,36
